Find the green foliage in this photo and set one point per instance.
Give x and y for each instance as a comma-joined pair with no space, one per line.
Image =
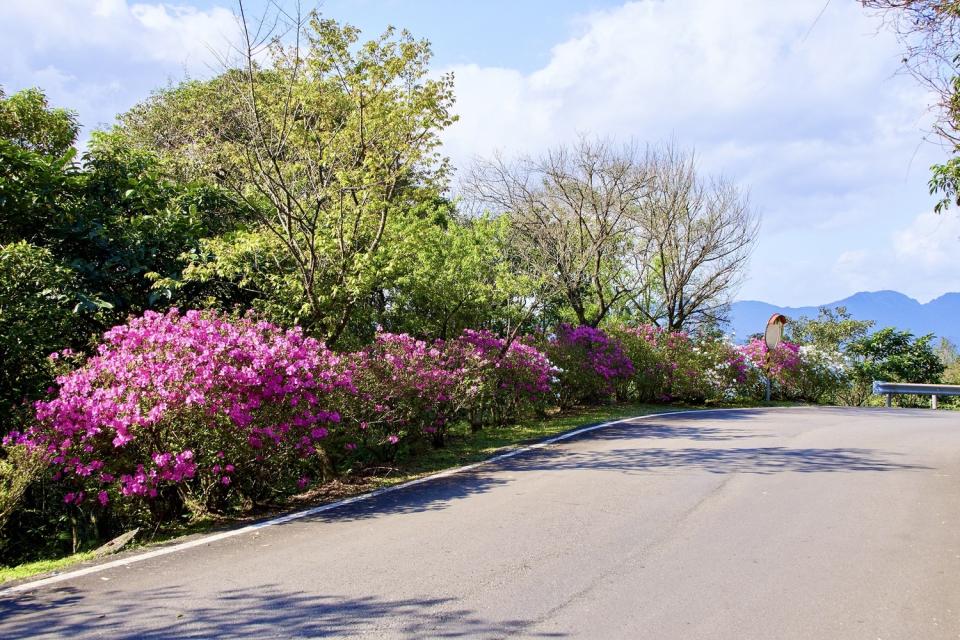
37,299
893,356
114,219
37,193
830,332
27,120
85,243
945,183
34,521
897,356
825,374
445,276
331,148
18,470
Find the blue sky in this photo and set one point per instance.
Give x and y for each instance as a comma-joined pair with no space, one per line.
809,114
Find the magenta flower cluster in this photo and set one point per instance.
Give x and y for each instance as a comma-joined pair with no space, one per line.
406,388
500,381
781,364
591,363
603,354
175,397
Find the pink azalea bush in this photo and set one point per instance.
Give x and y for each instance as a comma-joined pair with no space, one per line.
591,364
406,394
500,383
190,408
783,365
676,366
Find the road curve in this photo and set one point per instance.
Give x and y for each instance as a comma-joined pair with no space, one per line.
783,523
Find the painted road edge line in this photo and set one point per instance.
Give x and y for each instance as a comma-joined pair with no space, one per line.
297,515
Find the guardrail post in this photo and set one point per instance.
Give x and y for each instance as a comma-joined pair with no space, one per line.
889,400
933,401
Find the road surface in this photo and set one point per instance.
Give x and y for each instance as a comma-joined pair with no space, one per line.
781,523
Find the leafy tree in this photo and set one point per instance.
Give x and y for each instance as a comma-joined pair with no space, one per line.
832,331
28,121
452,275
893,356
324,146
85,241
112,216
128,235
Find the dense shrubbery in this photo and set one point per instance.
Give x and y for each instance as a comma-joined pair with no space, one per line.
405,393
189,410
183,414
590,363
674,366
196,412
500,382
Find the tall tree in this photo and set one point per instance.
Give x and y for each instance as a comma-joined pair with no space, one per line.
573,213
323,138
28,121
83,240
700,233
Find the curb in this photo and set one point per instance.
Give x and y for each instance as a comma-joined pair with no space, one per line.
297,515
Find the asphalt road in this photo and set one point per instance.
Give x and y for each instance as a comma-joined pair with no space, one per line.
787,523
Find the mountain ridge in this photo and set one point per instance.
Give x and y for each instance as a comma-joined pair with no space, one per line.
887,308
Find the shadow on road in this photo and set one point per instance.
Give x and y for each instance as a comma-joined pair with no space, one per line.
266,611
648,430
762,460
636,456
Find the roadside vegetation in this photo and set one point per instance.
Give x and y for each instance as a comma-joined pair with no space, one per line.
256,290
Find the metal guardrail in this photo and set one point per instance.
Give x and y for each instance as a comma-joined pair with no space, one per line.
932,390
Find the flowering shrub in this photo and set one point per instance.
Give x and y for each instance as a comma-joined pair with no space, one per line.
405,394
639,344
822,376
672,365
499,383
190,408
783,365
591,364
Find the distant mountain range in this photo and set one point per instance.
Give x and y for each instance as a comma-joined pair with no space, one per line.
887,308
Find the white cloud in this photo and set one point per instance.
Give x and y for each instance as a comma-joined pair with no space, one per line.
921,258
166,32
931,242
100,56
809,114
